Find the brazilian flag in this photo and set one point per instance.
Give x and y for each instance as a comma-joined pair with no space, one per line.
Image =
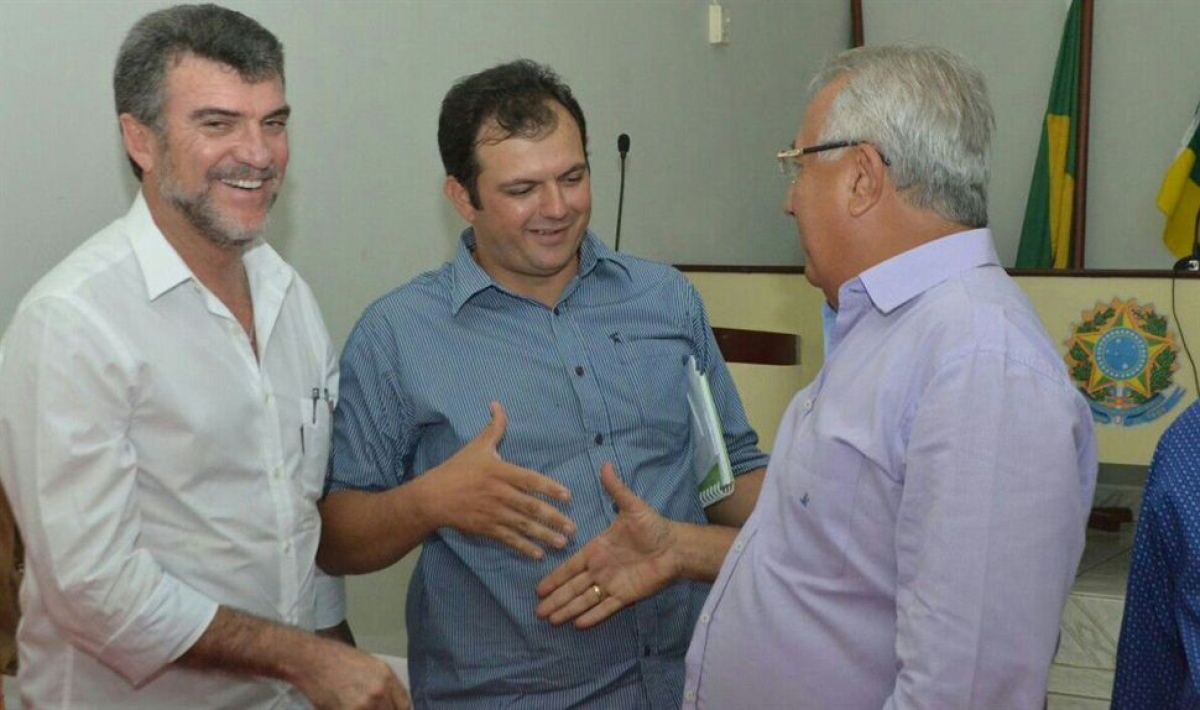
1046,232
1179,196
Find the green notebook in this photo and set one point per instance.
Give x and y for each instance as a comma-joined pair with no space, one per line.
710,460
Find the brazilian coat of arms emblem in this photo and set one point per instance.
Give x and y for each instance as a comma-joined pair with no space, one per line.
1122,357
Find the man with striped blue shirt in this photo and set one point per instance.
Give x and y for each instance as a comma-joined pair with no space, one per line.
514,410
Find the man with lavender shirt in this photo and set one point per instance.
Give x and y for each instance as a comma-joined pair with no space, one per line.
923,513
924,510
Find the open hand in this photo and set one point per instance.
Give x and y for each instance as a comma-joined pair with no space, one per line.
632,559
479,493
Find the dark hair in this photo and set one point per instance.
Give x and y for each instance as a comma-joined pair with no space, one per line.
517,96
164,36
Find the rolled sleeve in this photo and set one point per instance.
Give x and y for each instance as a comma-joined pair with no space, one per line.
331,600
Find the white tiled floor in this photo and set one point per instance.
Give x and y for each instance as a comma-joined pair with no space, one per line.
1082,675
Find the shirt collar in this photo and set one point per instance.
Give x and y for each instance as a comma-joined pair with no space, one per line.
163,268
470,278
894,282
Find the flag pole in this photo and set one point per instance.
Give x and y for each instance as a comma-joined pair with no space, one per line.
856,23
1079,227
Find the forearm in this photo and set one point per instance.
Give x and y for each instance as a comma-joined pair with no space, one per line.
238,643
363,532
328,672
736,508
699,550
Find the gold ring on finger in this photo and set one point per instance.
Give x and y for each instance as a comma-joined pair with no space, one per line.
598,592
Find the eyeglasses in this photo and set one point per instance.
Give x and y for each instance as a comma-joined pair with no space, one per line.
789,160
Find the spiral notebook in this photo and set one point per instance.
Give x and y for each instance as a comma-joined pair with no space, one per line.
710,459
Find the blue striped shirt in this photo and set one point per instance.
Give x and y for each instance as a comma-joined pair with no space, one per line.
600,377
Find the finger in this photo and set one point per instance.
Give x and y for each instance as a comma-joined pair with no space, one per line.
617,490
561,595
494,431
519,543
516,507
563,573
530,481
536,530
582,599
598,613
577,606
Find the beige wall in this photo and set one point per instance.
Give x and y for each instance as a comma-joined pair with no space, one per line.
787,303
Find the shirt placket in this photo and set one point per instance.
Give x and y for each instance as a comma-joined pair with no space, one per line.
272,459
596,423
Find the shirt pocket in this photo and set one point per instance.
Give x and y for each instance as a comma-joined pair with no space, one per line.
316,429
819,495
655,369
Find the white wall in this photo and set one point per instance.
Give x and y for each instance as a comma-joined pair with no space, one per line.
362,209
1145,85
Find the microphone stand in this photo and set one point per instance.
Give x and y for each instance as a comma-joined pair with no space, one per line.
623,149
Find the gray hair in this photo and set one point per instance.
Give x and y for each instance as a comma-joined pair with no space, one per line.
165,36
927,111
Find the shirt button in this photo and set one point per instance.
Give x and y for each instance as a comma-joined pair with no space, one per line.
690,696
704,618
599,439
556,310
287,546
808,404
579,370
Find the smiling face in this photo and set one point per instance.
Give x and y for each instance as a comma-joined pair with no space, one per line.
535,201
214,170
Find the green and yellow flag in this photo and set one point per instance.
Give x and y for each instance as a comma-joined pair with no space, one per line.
1046,232
1179,196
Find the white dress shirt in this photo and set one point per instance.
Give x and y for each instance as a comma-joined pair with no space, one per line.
158,470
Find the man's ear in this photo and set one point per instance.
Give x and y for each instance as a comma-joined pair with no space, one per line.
140,142
869,180
460,198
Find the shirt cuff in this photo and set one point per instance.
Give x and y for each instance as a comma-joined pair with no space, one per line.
331,600
170,622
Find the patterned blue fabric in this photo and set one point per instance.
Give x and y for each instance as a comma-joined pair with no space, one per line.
600,377
1158,657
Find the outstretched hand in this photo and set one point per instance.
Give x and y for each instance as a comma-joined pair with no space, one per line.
632,559
479,493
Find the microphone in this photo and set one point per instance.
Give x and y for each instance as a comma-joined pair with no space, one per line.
623,149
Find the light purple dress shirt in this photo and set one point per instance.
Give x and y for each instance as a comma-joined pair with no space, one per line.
924,509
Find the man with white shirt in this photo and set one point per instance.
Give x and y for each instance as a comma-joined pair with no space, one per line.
165,399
